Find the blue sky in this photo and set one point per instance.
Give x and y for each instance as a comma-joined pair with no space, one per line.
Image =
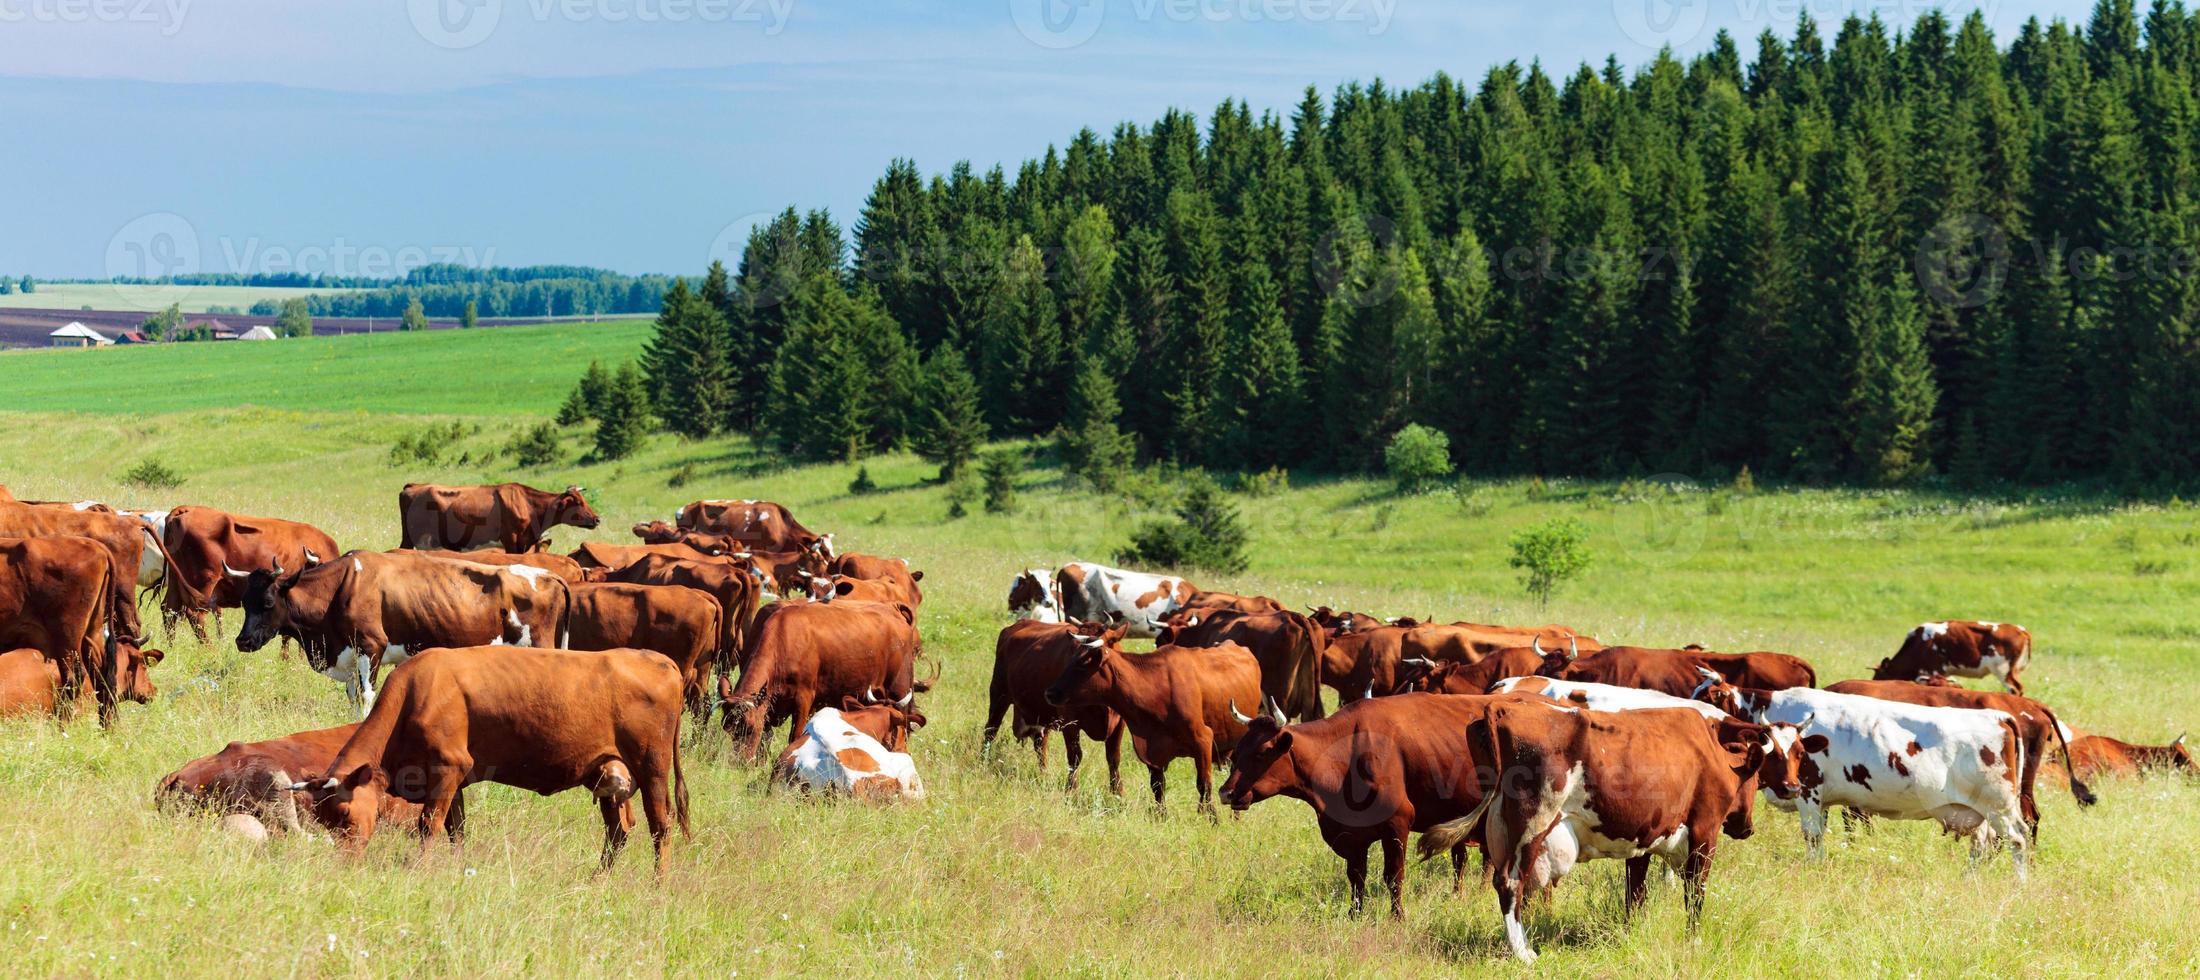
358,136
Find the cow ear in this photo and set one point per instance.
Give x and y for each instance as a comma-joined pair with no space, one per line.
843,587
1282,741
153,657
916,576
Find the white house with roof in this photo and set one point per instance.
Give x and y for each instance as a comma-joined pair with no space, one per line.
77,334
257,333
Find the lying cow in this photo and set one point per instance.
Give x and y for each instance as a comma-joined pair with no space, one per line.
2092,756
1028,656
834,756
367,610
540,720
1960,648
1176,702
1099,594
1962,767
1374,772
1033,596
255,778
1576,785
510,516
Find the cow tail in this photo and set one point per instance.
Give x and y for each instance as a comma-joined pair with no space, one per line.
680,789
2078,788
176,594
1481,737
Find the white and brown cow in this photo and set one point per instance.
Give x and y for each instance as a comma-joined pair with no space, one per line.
1033,596
1960,648
1962,767
1143,602
1603,697
833,756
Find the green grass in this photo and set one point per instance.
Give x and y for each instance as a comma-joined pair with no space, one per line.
148,296
487,371
1000,872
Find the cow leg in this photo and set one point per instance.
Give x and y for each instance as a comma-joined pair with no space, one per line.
614,830
1203,763
1697,874
1114,748
1458,869
1355,874
442,798
1073,754
657,807
1039,748
1638,883
1394,870
1509,902
804,704
1158,778
454,822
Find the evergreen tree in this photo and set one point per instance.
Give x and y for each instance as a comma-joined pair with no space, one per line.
1259,407
949,425
624,420
1093,448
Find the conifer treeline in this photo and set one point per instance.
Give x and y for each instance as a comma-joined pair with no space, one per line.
1896,253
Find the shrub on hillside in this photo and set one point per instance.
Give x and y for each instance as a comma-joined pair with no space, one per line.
152,474
1548,554
537,446
1417,456
1207,534
999,471
863,483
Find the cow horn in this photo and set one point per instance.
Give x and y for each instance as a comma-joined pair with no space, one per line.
1276,710
906,700
279,573
300,787
1420,662
2179,740
1805,723
233,573
1370,691
1242,717
1573,649
869,697
1707,673
311,558
1536,643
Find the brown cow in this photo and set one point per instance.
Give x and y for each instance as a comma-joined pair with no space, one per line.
552,562
1027,657
256,777
2037,727
1963,649
1474,678
1206,604
2098,755
1176,702
660,532
802,655
1363,661
843,588
1674,671
124,538
30,683
682,623
57,597
736,588
1289,646
355,614
1469,642
612,557
1377,770
1575,785
502,515
203,541
893,572
540,720
760,525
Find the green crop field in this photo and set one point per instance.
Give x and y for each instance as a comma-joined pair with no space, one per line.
487,371
148,296
1000,871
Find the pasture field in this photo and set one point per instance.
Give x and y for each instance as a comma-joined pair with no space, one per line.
1000,871
149,297
500,371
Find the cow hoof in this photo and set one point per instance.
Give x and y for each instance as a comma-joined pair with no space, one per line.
245,826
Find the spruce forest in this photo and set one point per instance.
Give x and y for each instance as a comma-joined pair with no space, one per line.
1892,254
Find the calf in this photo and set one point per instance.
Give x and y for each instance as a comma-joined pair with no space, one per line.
255,778
2099,755
540,720
683,624
1574,785
1962,767
2038,724
1374,772
1963,649
832,756
1028,656
1033,596
1176,702
1099,594
1288,645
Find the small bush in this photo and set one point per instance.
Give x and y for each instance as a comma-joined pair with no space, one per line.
428,446
863,483
1207,534
1417,456
962,491
999,471
1473,503
537,446
686,474
152,474
1744,482
1266,483
1548,554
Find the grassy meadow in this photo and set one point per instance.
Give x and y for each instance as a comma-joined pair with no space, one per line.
1000,871
149,297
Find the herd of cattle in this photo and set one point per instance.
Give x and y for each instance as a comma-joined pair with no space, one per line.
510,663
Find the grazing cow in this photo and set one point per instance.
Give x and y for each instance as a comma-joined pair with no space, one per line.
682,623
1027,657
1576,785
540,720
1288,645
125,540
1961,649
1099,594
510,516
612,557
889,571
737,591
1206,604
759,525
1377,770
1674,671
1333,621
366,610
556,564
804,654
2092,756
1471,642
203,541
833,757
2037,723
1603,697
1960,766
1032,596
1474,678
1175,701
1363,661
57,597
255,778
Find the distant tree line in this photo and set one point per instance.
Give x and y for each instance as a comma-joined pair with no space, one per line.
1866,261
449,290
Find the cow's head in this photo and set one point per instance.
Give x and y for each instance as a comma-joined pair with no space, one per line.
1714,689
657,532
1787,769
571,508
820,545
1413,674
266,603
348,805
1091,674
1032,596
2177,756
1555,662
1263,764
124,674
